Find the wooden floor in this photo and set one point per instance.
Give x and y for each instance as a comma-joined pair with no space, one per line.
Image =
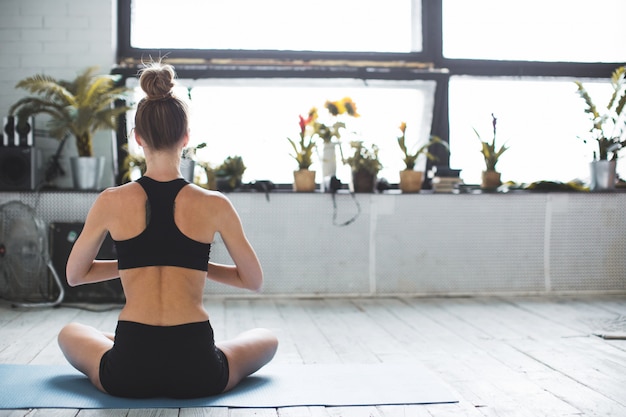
504,356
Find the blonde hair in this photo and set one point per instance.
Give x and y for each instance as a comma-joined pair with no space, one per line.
162,119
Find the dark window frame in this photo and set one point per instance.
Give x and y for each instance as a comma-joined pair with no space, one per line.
429,64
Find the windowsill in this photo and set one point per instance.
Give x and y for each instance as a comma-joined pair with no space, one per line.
394,190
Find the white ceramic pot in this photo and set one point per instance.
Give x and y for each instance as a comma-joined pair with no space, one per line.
87,171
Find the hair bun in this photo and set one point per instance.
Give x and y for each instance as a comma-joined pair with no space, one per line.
157,81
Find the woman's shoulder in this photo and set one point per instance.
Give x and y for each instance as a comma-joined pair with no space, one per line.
204,200
120,194
206,195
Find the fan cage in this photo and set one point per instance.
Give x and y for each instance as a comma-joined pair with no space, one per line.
24,256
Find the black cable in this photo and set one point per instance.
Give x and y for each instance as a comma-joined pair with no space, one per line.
347,222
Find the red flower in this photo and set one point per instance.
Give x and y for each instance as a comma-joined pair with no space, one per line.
304,122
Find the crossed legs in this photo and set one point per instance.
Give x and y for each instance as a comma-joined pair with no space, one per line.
247,353
83,347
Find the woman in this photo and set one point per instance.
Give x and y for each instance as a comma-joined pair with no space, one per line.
163,228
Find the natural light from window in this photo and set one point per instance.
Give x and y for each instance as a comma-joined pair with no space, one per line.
253,118
542,121
324,25
535,30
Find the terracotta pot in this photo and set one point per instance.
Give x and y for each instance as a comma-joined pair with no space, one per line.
304,181
491,180
411,181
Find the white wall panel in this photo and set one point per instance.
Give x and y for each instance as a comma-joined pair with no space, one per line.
416,244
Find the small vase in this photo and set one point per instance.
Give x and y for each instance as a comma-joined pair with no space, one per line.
304,181
410,181
363,181
329,159
490,180
187,169
602,175
87,171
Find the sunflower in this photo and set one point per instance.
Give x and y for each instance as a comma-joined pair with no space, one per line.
350,107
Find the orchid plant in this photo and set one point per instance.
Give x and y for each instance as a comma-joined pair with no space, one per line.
488,150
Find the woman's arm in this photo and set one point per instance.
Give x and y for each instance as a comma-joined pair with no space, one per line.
82,266
247,272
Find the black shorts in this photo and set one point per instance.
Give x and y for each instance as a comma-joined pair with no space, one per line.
164,361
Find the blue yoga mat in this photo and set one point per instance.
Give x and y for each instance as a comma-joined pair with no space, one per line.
284,385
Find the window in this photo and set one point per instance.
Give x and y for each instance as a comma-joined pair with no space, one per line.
253,118
539,119
325,25
534,30
443,66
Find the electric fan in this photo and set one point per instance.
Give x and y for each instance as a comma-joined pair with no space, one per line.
24,258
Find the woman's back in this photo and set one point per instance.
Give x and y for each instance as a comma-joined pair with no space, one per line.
163,294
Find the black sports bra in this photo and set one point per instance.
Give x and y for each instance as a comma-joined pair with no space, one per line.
162,243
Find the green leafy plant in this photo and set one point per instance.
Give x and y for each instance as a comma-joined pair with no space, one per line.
190,151
79,107
304,147
607,128
411,157
364,158
488,150
132,161
231,170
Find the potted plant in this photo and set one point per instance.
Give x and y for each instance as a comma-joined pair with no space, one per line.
607,129
330,130
78,108
365,166
490,176
304,179
228,175
133,162
410,179
188,161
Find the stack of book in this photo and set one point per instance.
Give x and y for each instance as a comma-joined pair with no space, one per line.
446,184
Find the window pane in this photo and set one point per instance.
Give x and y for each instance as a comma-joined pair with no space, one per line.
253,118
325,25
541,120
535,30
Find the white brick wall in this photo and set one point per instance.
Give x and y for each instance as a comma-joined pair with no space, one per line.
59,38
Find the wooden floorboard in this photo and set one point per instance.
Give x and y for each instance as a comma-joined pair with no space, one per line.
503,356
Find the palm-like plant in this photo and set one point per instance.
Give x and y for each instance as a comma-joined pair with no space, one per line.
79,107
